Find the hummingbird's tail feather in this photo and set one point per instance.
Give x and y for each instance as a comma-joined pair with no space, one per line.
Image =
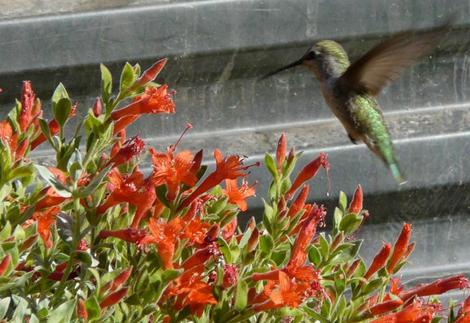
397,174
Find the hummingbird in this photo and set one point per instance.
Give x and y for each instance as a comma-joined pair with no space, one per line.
350,90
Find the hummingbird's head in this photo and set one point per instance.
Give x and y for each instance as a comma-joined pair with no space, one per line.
325,58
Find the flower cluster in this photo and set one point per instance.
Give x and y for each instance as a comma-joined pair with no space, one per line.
95,236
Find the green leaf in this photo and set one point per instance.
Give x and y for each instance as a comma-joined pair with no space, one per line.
4,304
241,298
63,313
372,286
338,215
225,249
343,201
324,246
59,93
93,308
46,131
271,165
314,256
60,189
106,84
93,185
6,231
21,309
244,240
21,172
127,77
266,244
161,194
62,110
84,257
351,223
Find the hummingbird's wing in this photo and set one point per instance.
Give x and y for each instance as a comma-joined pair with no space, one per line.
384,62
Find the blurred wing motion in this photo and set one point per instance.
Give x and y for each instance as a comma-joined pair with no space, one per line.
383,63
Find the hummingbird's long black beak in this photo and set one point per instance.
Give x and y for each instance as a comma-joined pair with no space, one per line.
296,63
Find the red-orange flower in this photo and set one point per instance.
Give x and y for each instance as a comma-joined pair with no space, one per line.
44,221
309,171
173,170
230,167
151,73
81,310
385,307
191,291
229,229
129,234
238,195
230,276
132,147
463,315
153,100
28,109
416,312
164,236
309,227
356,203
437,287
400,248
299,202
4,264
114,298
281,152
282,293
379,260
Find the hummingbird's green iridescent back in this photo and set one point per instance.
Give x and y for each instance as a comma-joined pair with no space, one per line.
375,134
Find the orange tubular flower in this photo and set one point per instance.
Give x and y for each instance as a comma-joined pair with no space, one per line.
153,100
416,312
281,152
114,298
124,122
230,167
129,235
230,276
151,73
97,107
356,203
28,98
229,229
132,147
120,279
191,291
400,248
45,219
309,171
299,202
309,227
385,307
173,170
164,236
238,195
437,287
81,310
379,260
201,256
195,231
4,264
464,312
282,294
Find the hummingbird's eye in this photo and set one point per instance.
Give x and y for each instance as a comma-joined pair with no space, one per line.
312,54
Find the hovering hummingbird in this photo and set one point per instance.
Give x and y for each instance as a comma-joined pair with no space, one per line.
350,90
